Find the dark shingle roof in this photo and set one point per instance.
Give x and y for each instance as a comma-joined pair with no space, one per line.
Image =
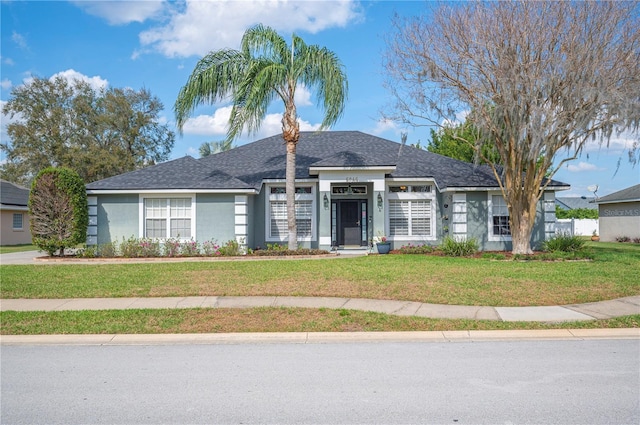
575,202
182,173
248,165
13,194
630,194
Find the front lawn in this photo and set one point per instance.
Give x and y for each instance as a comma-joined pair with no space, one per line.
468,281
8,249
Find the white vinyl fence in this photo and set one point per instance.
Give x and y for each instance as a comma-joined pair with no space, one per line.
577,227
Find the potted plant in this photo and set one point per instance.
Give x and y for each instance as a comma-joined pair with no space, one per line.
594,236
383,245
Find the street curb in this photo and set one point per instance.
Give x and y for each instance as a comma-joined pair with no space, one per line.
320,337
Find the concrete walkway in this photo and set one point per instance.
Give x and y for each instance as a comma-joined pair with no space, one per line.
566,313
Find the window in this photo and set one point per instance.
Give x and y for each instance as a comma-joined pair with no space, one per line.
17,221
409,217
349,190
277,213
167,218
414,189
499,216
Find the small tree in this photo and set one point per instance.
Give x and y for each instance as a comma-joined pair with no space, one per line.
58,209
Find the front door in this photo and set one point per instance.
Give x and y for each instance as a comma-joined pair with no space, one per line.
350,222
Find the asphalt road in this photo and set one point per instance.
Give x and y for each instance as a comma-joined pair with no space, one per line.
499,382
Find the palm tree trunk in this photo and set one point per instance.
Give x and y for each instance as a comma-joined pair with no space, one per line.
292,229
291,134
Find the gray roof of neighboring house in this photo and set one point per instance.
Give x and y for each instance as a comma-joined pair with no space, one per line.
630,194
13,194
576,202
246,166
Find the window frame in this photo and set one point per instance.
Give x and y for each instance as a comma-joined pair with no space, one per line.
410,196
282,197
13,222
493,237
168,197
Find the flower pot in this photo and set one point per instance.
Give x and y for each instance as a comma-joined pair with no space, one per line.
595,238
383,247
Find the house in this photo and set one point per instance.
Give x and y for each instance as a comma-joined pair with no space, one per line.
620,214
576,202
14,214
350,188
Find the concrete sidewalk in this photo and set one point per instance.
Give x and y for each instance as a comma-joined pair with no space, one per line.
566,313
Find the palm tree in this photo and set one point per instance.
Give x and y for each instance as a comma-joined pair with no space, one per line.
210,148
264,69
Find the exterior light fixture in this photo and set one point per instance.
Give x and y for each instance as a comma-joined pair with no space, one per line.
326,202
379,201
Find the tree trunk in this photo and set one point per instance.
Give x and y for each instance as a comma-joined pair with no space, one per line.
291,134
522,215
291,197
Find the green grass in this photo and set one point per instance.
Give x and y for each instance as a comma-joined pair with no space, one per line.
258,320
422,278
8,249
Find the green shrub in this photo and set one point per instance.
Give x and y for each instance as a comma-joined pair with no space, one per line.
563,242
230,249
131,248
58,209
415,249
459,248
108,250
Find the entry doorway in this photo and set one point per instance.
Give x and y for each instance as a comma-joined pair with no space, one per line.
349,222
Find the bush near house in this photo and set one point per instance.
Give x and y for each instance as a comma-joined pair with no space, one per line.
58,209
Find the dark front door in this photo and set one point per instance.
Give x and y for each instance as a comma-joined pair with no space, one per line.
350,221
350,217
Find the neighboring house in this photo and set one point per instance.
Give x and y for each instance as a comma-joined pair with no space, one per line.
351,187
577,226
576,202
620,214
14,214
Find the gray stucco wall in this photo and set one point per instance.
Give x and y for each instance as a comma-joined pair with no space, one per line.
619,219
117,218
215,217
478,224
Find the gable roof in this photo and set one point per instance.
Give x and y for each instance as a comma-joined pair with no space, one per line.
630,194
248,165
13,194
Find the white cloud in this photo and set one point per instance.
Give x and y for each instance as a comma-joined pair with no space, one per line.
96,82
302,96
384,125
202,26
583,166
5,84
208,125
216,124
19,40
119,12
191,151
7,61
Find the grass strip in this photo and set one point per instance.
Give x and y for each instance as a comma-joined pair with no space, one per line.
8,249
267,319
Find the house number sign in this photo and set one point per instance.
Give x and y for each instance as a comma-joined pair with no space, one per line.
352,179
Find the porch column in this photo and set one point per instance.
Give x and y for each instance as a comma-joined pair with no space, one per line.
324,215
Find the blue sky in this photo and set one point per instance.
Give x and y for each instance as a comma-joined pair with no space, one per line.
155,45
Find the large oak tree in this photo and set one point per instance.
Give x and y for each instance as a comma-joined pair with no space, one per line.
97,133
541,79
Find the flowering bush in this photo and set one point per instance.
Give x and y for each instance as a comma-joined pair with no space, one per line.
211,248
